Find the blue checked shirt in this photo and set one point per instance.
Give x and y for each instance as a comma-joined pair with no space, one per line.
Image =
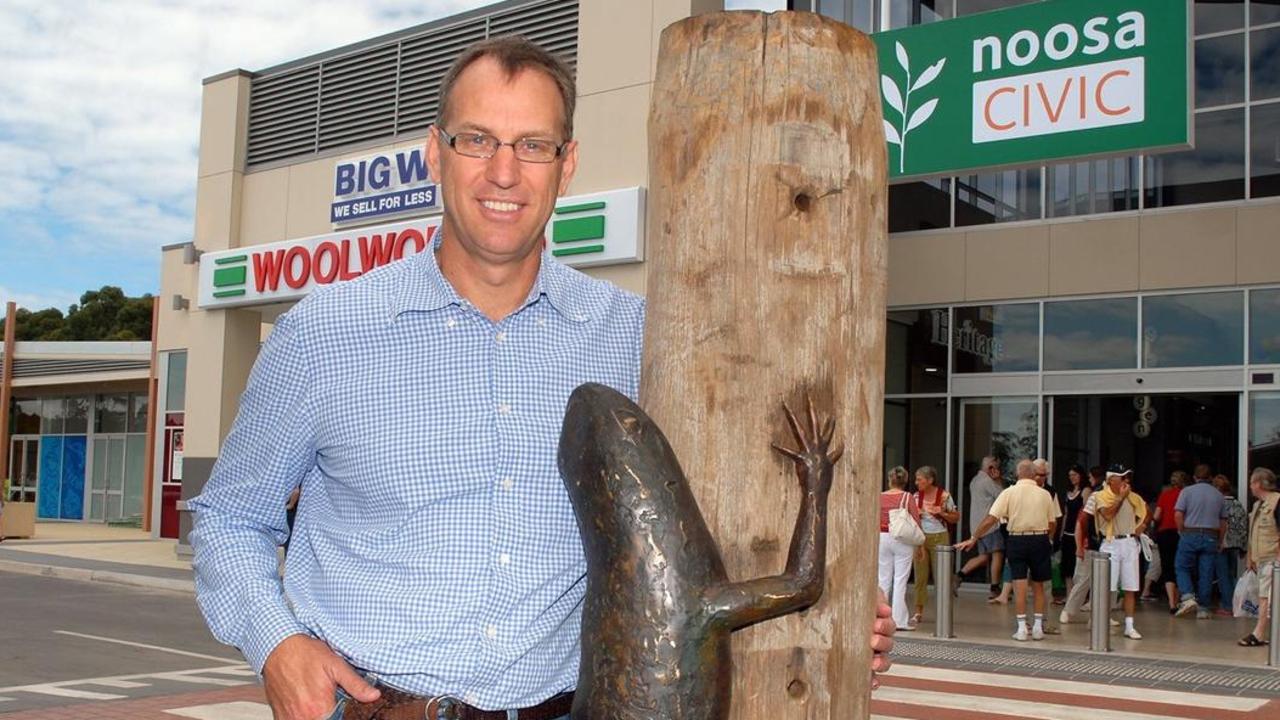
435,545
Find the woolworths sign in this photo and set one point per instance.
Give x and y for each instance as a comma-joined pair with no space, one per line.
1039,82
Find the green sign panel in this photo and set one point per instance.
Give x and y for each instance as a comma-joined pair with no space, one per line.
1052,80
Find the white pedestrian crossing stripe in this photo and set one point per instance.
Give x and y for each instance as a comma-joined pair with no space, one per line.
225,711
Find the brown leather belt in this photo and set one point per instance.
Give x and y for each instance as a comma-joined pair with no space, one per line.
399,705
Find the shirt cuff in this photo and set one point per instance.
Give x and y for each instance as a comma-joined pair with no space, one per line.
267,627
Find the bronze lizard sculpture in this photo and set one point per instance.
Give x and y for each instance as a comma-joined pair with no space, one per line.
659,606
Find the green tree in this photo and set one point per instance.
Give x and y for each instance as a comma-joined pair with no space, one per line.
105,314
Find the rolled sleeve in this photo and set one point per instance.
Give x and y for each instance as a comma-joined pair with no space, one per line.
240,514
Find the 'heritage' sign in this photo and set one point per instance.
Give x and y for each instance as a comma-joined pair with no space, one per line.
1053,80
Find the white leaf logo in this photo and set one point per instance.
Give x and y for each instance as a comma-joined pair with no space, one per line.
891,133
893,97
929,75
921,114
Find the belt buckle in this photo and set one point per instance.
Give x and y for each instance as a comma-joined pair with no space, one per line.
441,707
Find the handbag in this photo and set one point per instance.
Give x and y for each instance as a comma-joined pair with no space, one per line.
903,527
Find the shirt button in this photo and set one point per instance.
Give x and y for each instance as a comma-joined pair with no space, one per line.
491,632
542,322
508,483
450,323
504,409
500,336
470,699
504,559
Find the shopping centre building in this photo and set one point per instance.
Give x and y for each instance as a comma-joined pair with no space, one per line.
1123,309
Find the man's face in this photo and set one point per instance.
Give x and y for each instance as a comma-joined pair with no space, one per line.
1042,476
994,471
496,208
1117,482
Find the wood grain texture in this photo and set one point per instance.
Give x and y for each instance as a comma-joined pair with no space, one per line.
768,250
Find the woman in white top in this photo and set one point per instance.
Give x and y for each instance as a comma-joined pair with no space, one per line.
895,556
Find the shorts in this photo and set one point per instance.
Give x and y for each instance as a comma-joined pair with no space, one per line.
1265,571
991,542
1124,554
1030,555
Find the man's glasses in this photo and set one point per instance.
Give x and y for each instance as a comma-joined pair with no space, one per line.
485,146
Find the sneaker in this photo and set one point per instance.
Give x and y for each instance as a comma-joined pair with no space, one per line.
1203,614
1021,635
1186,607
1036,634
1115,622
1064,618
1132,634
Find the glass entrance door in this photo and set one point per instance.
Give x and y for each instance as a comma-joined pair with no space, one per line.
24,463
1153,434
1007,428
106,482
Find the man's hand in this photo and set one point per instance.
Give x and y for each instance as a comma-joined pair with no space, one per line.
302,675
881,639
1125,488
1250,564
964,545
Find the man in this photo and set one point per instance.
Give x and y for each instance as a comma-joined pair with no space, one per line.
984,488
436,564
1264,547
1201,517
1041,466
1032,516
1122,516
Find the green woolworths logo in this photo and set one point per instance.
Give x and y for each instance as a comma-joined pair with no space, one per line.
230,277
572,235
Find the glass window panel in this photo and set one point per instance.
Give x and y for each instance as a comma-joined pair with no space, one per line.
53,413
1264,430
26,417
1264,326
1006,196
1264,61
176,385
95,507
1092,186
833,9
135,456
31,465
115,464
1219,71
98,466
1264,11
1004,428
1091,334
996,338
915,434
137,412
1218,15
111,412
77,422
969,7
921,205
916,357
1265,151
1193,330
1212,172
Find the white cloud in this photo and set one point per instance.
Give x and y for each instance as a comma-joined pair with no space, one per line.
100,104
37,301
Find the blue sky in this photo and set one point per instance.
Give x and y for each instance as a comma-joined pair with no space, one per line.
100,116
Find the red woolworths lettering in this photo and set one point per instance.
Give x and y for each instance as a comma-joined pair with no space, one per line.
376,251
326,273
297,258
266,270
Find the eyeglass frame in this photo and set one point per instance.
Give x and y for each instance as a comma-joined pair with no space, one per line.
451,141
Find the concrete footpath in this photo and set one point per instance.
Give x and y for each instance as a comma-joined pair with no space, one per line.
84,551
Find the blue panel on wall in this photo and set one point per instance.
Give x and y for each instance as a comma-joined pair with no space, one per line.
73,477
49,486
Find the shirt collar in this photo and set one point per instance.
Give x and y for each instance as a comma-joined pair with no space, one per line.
1028,480
425,287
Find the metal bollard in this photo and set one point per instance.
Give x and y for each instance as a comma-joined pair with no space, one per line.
1100,603
1273,657
944,563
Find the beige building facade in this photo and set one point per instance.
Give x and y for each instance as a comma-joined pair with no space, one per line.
1135,330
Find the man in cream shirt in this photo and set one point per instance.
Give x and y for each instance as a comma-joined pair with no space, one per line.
1122,516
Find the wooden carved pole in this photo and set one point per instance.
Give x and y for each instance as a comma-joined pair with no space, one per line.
768,260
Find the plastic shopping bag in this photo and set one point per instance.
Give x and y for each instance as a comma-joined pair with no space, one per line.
1245,603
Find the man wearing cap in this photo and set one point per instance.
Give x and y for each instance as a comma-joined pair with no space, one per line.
1122,517
1201,516
1032,516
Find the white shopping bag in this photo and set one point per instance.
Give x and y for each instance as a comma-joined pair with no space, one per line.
1245,603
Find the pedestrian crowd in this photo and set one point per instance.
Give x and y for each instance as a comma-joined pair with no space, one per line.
1186,547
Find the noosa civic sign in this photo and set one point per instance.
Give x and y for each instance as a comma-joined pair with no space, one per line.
1045,81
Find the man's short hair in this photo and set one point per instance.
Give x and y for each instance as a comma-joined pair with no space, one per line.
988,462
514,53
1026,469
1203,472
1264,477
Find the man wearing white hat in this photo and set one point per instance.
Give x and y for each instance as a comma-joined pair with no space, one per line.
1122,517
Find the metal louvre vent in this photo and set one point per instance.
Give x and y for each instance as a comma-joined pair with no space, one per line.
380,92
36,368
